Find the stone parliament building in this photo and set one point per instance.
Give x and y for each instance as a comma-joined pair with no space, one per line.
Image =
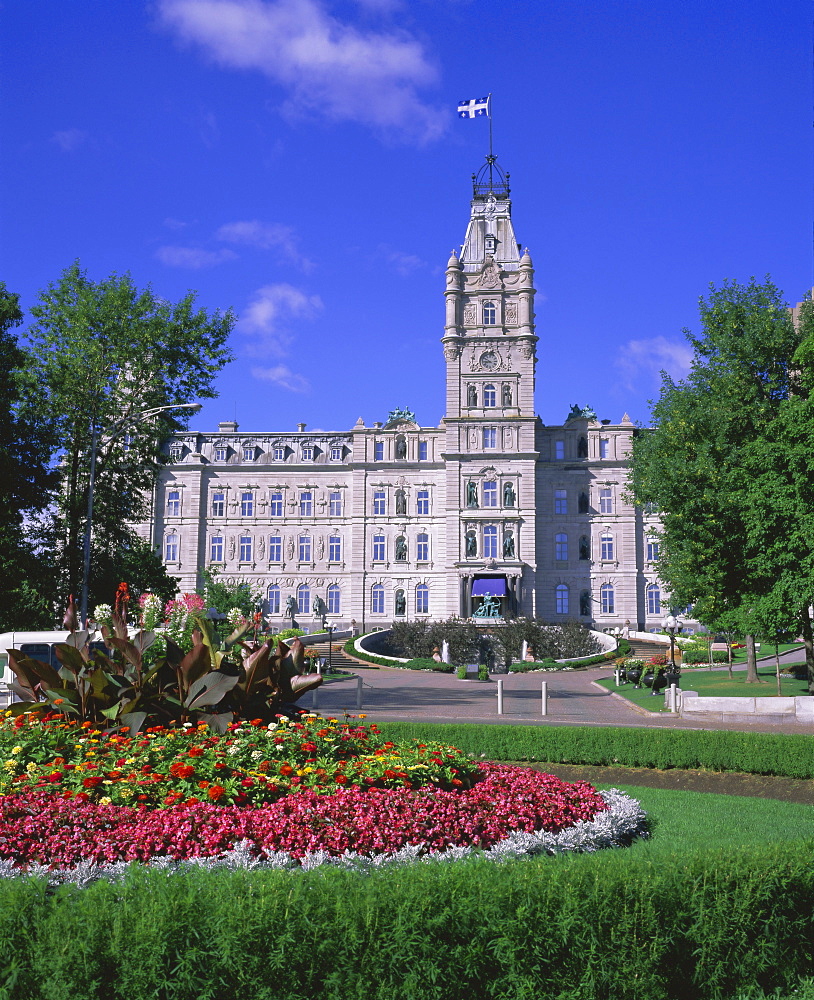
491,509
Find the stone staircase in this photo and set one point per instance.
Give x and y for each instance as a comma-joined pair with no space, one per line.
339,658
643,649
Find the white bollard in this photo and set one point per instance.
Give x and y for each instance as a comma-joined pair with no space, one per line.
545,697
315,698
673,698
500,696
358,693
618,681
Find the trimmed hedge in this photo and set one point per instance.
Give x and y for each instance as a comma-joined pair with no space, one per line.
611,925
783,754
427,663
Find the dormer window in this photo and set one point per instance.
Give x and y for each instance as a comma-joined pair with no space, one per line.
279,454
221,453
248,453
489,314
176,452
308,454
490,243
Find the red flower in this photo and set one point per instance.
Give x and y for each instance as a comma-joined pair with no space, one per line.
340,778
91,782
215,792
286,769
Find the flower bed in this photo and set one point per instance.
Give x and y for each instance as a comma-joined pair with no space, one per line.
73,796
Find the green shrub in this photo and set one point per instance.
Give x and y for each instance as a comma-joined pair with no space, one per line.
483,672
786,754
700,654
461,672
422,663
525,667
609,925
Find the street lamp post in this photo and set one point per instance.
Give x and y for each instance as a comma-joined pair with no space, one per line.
671,626
114,430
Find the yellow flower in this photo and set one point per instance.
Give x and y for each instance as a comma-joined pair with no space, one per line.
105,800
10,765
17,750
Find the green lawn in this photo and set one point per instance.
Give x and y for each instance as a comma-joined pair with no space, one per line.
712,683
765,649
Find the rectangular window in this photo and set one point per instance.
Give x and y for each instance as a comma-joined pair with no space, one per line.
652,551
559,449
562,599
274,599
377,603
560,501
378,548
607,602
305,548
378,451
490,542
279,454
306,504
221,453
422,548
561,548
173,503
128,440
334,549
176,452
604,445
606,500
248,454
216,549
308,454
489,437
245,548
379,503
218,504
247,504
275,548
171,548
334,600
335,505
422,451
276,505
336,454
422,502
606,547
490,494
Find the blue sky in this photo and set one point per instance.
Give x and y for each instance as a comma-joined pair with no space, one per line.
301,161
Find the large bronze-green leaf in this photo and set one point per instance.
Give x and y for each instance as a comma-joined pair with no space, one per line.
63,699
256,666
196,663
238,633
70,657
26,677
131,653
143,640
217,723
77,639
135,720
209,690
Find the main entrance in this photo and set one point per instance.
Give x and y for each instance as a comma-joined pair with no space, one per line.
490,597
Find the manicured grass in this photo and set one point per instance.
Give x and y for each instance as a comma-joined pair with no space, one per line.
713,683
691,821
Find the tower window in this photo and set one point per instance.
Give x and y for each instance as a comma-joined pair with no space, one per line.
489,396
489,314
490,542
378,548
334,549
561,548
606,547
606,599
378,451
604,446
422,547
652,550
559,449
606,500
422,451
171,548
490,494
423,502
379,502
560,501
489,437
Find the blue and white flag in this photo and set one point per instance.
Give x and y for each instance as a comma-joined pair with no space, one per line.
478,107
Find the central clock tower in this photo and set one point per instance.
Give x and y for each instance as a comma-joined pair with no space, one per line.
489,345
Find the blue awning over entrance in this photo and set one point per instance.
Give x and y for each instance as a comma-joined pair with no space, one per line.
494,585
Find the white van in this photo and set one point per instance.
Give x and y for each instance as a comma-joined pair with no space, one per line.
37,645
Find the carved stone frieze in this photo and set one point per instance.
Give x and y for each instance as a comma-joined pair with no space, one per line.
452,351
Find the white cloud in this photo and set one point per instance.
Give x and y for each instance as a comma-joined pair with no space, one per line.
193,257
646,359
327,66
265,236
265,319
69,139
282,376
175,224
402,263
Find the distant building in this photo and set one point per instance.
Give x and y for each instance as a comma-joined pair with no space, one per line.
398,520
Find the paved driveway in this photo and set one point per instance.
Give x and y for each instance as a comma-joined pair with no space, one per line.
573,699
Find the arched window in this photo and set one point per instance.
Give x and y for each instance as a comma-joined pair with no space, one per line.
274,599
171,548
653,599
303,599
606,547
606,599
489,314
377,599
422,547
561,548
489,396
422,599
561,597
490,542
334,600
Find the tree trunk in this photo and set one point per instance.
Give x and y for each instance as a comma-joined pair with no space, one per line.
751,661
808,639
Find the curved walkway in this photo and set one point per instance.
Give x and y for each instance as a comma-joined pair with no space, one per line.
573,699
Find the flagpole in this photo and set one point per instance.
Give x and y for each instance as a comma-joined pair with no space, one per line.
489,114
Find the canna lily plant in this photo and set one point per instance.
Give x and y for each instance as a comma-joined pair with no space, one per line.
113,682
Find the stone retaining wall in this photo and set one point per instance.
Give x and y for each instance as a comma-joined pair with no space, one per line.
726,709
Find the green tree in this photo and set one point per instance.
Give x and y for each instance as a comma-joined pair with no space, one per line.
706,463
223,596
100,355
26,484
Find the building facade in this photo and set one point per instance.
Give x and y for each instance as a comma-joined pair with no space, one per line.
492,512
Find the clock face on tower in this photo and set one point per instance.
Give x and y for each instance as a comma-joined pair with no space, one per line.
489,361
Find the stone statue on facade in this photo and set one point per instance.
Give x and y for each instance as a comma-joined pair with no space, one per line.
509,497
506,395
319,608
401,502
401,604
471,495
585,604
401,448
508,546
471,543
290,608
578,412
401,549
584,548
471,396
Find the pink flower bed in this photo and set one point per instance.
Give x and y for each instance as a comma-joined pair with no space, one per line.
49,829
